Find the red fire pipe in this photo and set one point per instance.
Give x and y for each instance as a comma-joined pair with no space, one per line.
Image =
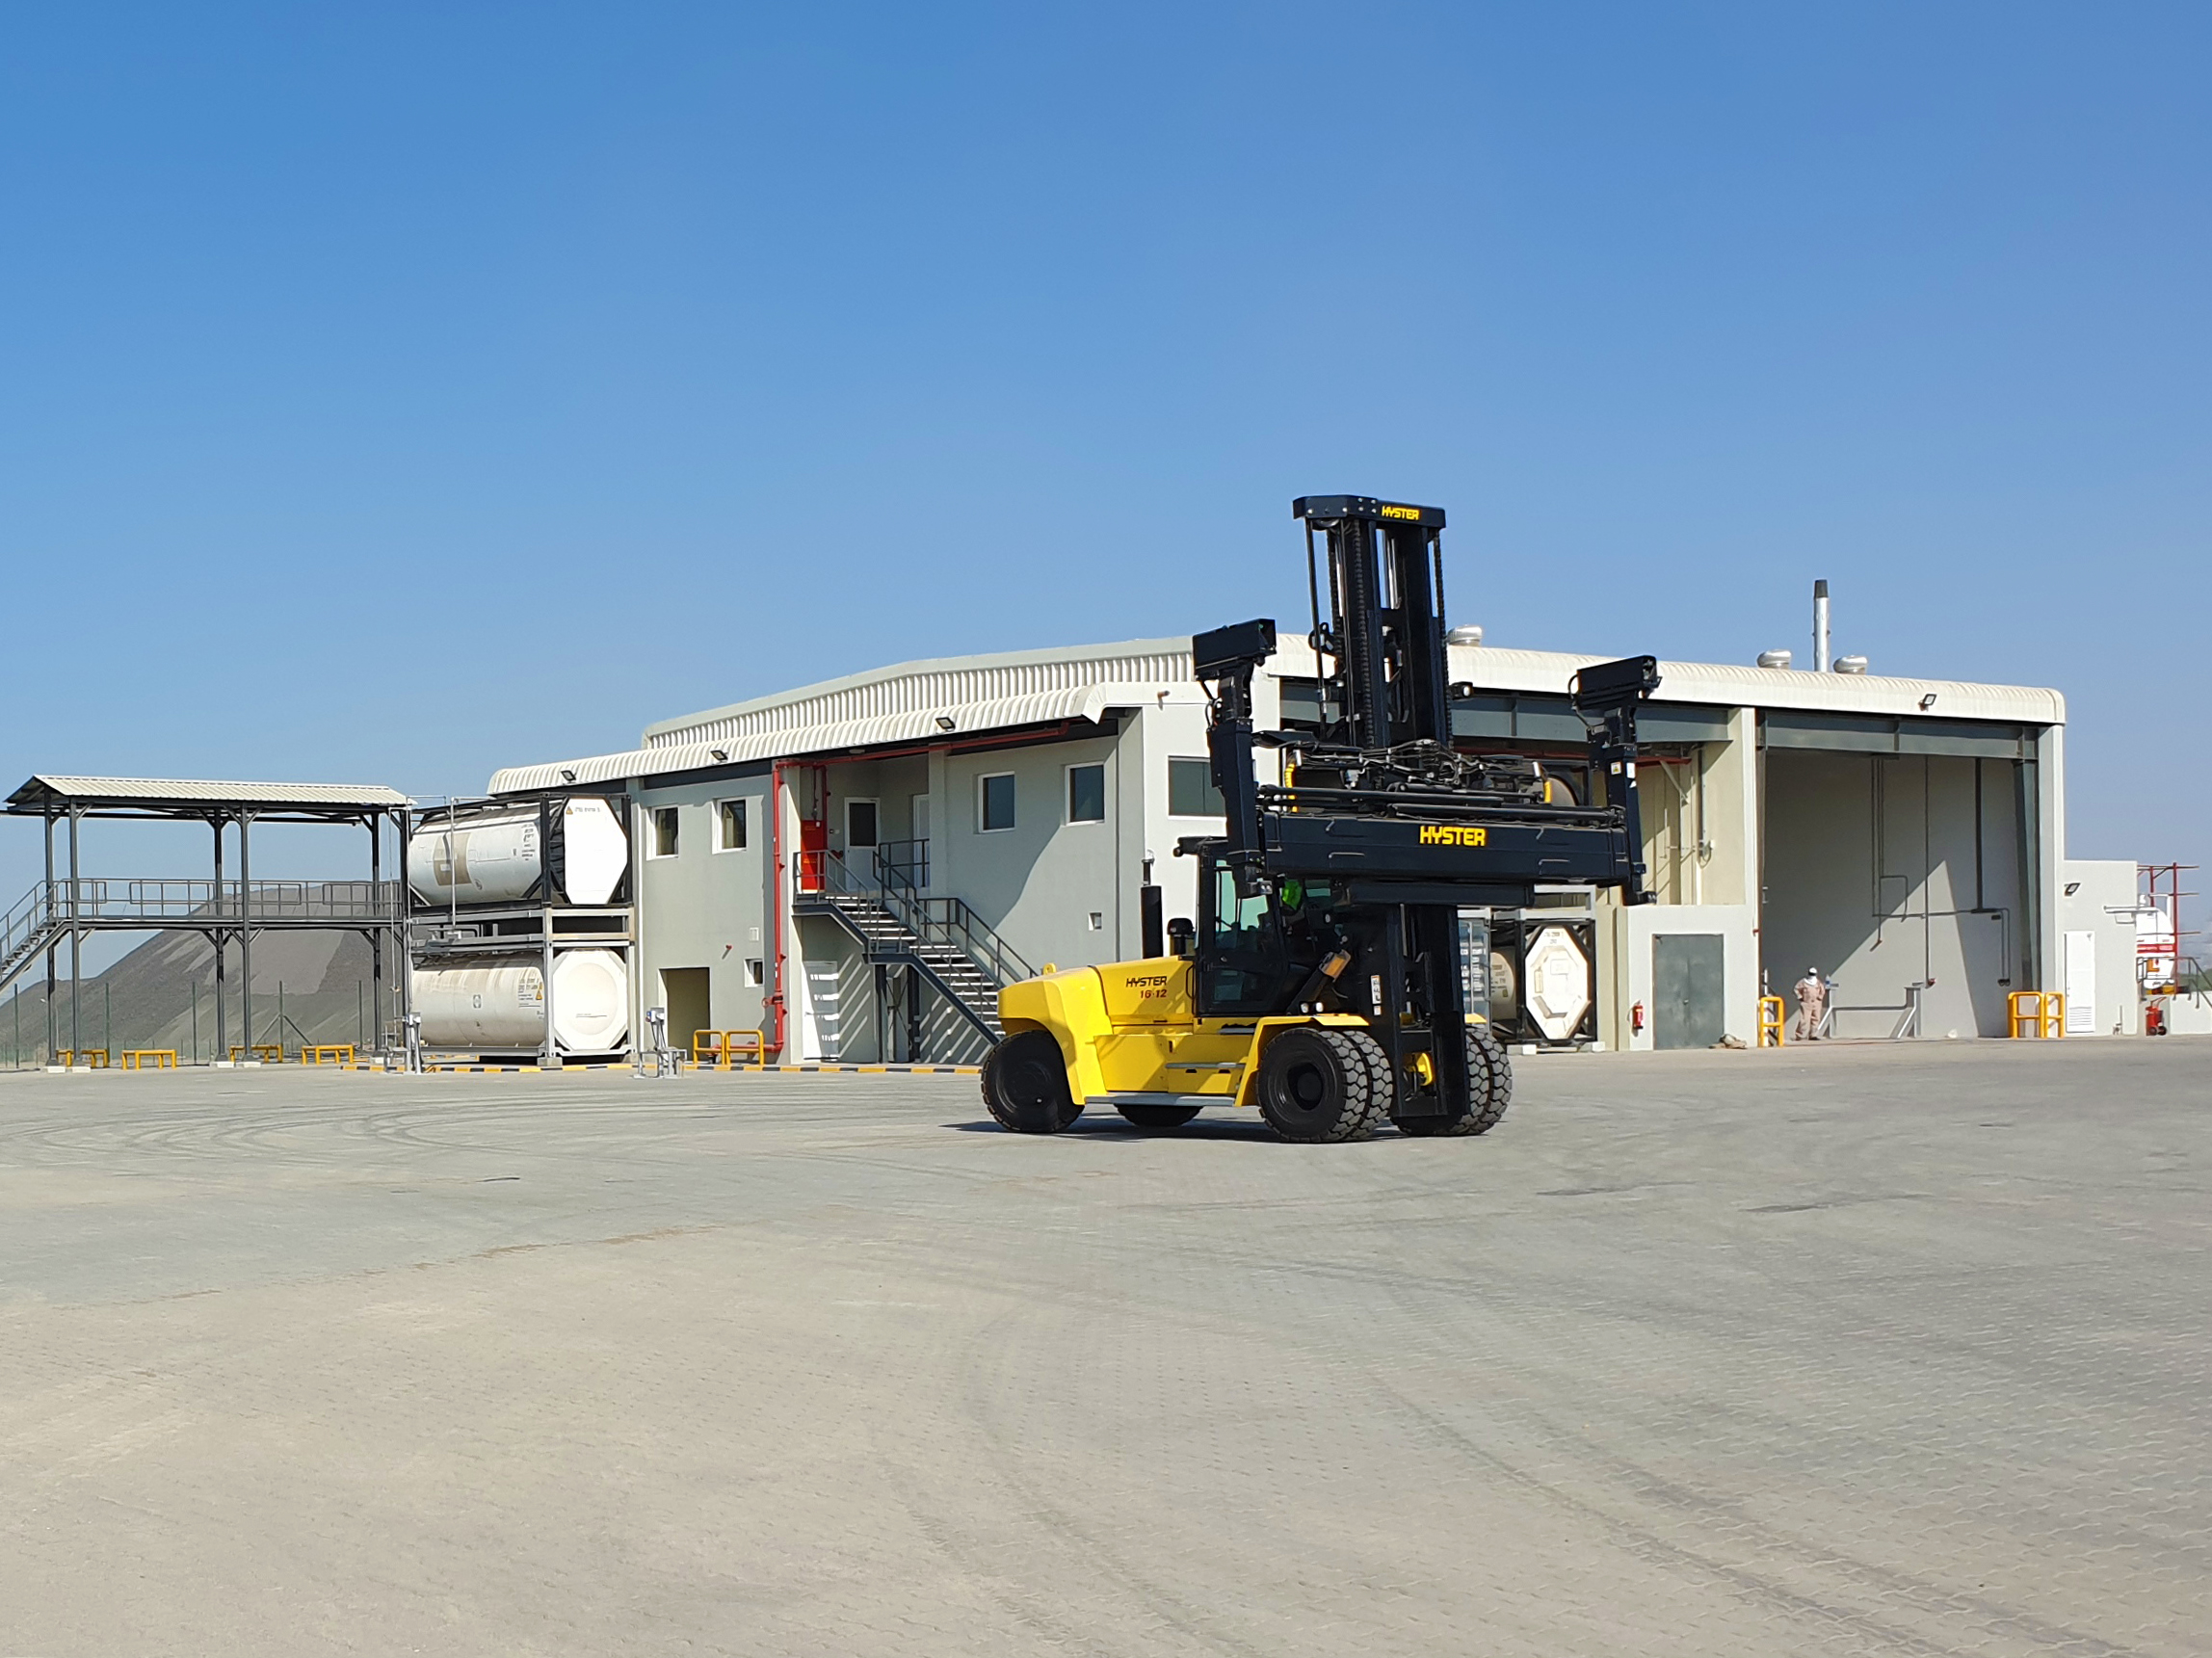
776,856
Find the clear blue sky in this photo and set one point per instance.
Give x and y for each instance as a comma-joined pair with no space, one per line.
391,393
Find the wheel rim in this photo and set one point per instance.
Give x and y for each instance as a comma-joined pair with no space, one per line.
1302,1093
1033,1086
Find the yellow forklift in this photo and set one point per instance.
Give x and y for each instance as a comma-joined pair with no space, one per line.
1324,981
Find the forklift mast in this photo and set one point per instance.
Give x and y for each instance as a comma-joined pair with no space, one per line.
1387,616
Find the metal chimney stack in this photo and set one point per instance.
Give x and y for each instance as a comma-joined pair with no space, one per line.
1820,659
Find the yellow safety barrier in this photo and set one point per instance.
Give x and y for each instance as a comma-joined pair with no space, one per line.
268,1053
1770,1021
135,1058
92,1059
725,1048
2039,1014
335,1053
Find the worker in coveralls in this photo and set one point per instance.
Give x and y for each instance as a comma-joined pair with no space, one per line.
1811,1005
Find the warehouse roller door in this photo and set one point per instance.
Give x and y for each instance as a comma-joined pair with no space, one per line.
1902,877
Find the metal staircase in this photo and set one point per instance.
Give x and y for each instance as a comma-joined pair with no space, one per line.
940,937
30,929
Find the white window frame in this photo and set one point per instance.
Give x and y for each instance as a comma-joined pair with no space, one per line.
982,785
653,850
744,802
1191,760
1068,793
852,800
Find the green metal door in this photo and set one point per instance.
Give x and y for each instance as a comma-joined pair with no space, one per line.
1688,1001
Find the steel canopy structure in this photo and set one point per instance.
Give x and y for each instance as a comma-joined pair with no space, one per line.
68,906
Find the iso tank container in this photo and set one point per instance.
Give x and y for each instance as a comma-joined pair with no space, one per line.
485,1008
495,858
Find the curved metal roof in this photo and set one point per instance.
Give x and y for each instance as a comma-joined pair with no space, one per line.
910,701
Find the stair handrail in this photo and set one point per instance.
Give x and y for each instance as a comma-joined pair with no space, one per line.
942,918
934,919
30,916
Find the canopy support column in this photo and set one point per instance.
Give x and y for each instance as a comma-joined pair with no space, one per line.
222,984
53,1029
76,945
245,937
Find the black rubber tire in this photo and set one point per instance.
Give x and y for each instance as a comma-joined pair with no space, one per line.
1491,1079
1025,1085
1158,1115
1319,1084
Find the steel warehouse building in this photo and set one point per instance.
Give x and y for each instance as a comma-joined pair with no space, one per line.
855,867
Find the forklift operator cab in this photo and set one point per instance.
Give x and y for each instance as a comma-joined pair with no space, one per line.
1242,962
1258,949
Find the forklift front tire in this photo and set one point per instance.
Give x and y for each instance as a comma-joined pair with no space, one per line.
1025,1085
1321,1083
1490,1076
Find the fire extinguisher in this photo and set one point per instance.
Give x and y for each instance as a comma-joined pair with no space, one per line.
1636,1017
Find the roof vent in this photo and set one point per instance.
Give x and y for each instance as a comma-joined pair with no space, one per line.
1851,664
1773,659
1470,634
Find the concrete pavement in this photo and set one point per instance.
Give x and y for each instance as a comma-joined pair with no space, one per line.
1869,1350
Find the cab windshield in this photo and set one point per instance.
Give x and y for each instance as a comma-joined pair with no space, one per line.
1255,944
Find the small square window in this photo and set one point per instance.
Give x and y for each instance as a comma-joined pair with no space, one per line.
1190,790
730,826
1086,793
996,801
752,967
664,832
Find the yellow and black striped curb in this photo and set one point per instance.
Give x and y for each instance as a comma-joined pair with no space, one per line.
695,1070
626,1065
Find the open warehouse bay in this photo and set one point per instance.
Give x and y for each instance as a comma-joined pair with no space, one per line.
1869,1350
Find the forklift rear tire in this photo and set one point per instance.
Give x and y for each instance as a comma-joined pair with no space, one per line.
1319,1083
1158,1115
1490,1074
1025,1085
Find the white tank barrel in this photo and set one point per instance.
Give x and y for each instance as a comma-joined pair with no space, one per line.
495,858
490,1007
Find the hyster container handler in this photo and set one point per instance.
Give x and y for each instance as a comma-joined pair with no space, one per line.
1324,983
